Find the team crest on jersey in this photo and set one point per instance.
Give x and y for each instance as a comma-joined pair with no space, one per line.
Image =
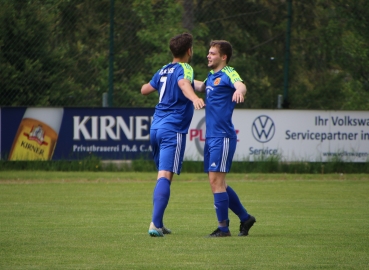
217,81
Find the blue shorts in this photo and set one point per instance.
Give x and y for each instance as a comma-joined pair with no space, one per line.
218,154
168,149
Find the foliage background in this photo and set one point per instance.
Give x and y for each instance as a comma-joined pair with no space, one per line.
56,52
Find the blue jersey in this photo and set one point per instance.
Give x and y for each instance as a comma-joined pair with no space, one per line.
219,105
174,111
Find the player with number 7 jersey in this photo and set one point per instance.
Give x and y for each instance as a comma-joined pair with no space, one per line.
172,118
174,110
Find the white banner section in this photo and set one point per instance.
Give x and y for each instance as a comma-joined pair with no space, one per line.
291,135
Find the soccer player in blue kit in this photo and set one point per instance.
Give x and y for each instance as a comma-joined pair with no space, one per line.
224,88
172,118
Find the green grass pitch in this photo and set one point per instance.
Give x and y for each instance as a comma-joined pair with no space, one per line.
87,220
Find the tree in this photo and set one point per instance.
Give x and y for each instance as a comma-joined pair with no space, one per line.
28,63
55,53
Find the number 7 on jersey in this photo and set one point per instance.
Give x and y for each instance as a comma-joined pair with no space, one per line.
162,89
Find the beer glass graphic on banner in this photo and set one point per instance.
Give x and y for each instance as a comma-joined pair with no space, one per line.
37,134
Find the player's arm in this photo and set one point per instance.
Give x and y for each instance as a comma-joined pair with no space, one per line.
199,86
147,89
187,90
239,94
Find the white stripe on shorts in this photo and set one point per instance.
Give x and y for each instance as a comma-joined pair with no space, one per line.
223,165
178,153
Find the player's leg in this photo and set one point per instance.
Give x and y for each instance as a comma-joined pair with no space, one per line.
221,203
161,196
218,164
172,146
246,220
155,145
235,205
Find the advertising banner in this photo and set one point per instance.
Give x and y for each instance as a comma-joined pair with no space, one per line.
291,135
124,134
75,133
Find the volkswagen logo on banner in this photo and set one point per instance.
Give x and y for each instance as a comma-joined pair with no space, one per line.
263,128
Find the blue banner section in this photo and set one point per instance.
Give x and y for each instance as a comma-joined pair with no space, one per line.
75,133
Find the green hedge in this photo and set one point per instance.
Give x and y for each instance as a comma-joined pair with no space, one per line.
266,166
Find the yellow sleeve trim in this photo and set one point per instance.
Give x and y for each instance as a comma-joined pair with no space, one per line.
188,71
232,74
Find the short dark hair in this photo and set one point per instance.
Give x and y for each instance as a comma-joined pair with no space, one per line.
224,47
180,44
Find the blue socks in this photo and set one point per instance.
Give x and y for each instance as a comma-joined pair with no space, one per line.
222,201
160,200
236,206
221,208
